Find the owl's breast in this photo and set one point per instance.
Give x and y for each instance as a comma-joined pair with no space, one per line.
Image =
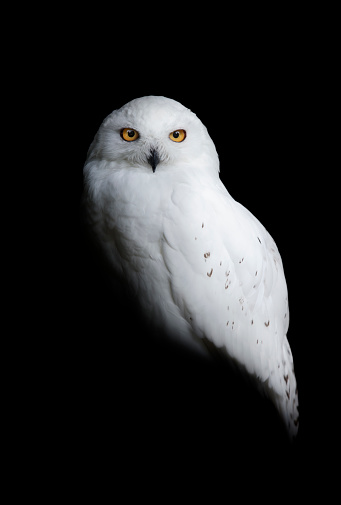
127,215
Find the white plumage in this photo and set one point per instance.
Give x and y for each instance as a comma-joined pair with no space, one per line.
202,267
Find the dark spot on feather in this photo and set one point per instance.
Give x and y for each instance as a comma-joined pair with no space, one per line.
288,394
286,377
241,260
207,255
267,324
259,240
251,321
202,225
211,272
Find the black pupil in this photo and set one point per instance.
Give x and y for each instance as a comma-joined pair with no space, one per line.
131,133
176,134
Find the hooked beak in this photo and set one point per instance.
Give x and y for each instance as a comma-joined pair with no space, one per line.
153,159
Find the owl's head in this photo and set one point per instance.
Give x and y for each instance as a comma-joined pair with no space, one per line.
154,134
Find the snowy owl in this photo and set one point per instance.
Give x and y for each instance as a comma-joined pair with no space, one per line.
202,267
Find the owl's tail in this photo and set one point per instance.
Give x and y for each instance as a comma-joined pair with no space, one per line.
282,389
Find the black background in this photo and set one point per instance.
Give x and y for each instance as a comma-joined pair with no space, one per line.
130,397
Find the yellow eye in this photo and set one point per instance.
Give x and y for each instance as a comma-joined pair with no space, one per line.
178,135
129,134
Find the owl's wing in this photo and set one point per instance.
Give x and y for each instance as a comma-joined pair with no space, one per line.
227,279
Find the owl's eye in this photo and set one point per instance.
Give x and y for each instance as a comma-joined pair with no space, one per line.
178,135
129,134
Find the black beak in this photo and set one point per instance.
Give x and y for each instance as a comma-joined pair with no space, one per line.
153,159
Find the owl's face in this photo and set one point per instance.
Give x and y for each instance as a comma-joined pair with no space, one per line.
152,134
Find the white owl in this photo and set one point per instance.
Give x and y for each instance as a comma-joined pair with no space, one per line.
202,267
